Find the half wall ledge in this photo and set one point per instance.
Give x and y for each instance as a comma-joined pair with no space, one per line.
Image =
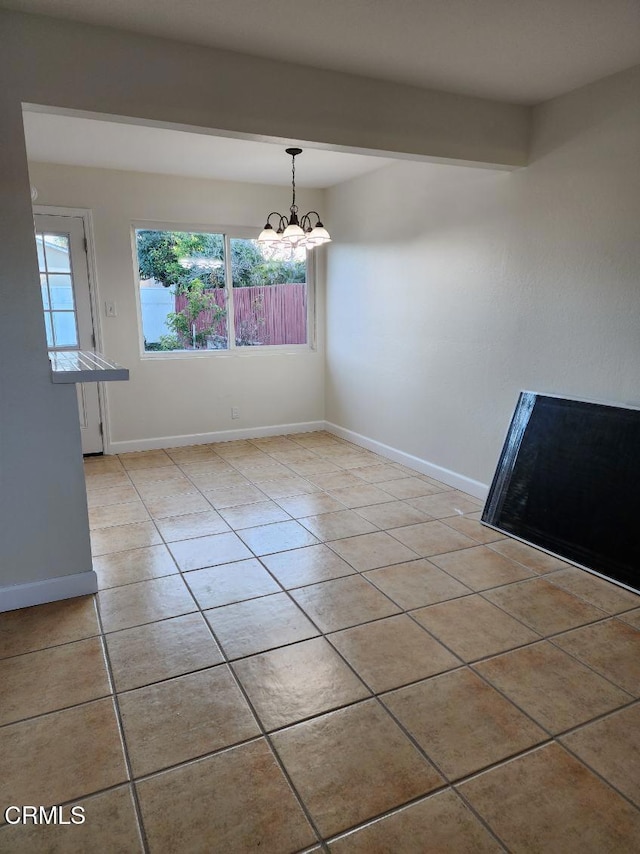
84,366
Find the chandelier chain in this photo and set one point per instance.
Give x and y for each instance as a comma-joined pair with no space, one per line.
293,179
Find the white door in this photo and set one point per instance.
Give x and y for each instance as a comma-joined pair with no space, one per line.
66,300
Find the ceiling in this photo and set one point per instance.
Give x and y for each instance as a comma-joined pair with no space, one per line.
78,141
522,51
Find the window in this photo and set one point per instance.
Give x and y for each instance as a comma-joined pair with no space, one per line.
211,291
54,263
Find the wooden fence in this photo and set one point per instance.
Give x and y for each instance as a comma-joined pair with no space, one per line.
270,314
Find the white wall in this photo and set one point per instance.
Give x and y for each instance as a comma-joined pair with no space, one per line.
449,290
169,397
128,74
57,63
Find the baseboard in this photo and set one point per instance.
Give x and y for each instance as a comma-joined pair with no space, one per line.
451,478
206,438
47,590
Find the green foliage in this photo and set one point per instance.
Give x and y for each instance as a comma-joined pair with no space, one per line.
169,342
250,268
246,256
183,322
177,258
193,263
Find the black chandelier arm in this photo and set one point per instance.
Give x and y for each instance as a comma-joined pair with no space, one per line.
306,219
282,220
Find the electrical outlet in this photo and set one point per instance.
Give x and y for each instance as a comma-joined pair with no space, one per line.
110,309
235,412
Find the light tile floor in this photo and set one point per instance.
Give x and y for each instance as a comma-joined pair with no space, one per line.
300,646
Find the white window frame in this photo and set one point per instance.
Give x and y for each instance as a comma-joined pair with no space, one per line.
233,350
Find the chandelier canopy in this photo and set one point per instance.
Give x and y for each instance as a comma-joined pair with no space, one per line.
293,231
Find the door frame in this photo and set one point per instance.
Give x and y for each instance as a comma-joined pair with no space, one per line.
86,215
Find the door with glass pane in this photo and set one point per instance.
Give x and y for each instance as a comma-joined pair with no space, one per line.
66,300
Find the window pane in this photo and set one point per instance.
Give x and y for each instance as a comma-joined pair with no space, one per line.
61,291
47,323
64,329
182,290
44,290
57,251
269,294
40,248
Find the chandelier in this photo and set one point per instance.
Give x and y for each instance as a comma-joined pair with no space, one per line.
292,231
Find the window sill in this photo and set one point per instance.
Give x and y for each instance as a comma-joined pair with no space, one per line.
239,352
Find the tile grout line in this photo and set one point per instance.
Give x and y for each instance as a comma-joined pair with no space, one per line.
328,636
263,731
561,746
52,646
133,485
467,665
599,717
502,762
343,834
484,822
541,637
116,704
548,577
554,738
79,705
536,575
369,822
373,696
597,773
551,737
327,543
324,634
128,784
252,483
551,638
603,716
493,603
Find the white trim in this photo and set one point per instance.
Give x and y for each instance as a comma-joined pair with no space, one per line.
245,232
96,302
228,233
218,436
47,590
451,478
86,215
239,352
